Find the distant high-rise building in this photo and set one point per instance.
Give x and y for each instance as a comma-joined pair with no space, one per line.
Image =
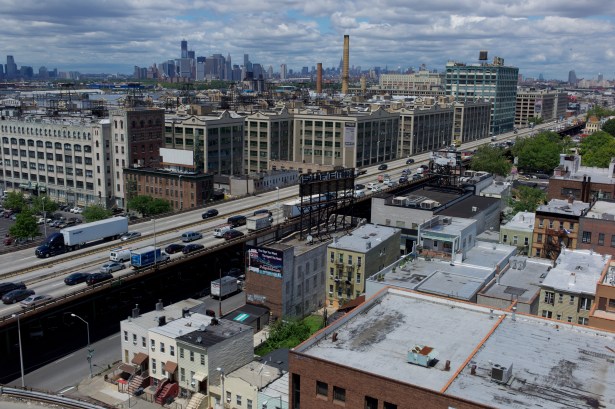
1,71
541,77
191,54
283,71
11,67
572,77
305,71
246,63
495,82
600,77
42,73
184,45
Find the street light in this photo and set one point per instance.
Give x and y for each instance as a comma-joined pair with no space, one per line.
181,194
23,383
277,204
222,396
90,350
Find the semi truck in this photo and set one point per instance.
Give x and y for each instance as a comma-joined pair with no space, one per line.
224,287
75,237
259,222
147,256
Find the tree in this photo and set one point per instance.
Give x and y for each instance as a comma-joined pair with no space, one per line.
25,225
536,120
600,112
159,206
609,127
527,199
491,159
140,204
538,153
15,201
95,212
42,204
597,149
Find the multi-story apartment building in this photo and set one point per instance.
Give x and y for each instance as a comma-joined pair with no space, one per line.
425,128
216,140
519,231
472,120
421,83
268,136
356,256
597,228
569,289
582,182
557,227
602,313
546,104
494,82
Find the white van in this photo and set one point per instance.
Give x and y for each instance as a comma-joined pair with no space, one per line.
219,231
120,255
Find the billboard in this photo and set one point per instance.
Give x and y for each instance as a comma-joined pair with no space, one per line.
265,261
350,134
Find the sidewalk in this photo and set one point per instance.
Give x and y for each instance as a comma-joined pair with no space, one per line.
105,392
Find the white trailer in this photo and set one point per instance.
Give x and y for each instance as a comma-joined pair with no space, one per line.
223,287
111,228
258,222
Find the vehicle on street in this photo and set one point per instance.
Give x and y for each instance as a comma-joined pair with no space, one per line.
409,161
262,211
189,236
147,256
8,241
34,300
359,186
8,213
189,248
76,278
76,210
236,221
210,213
384,166
16,295
223,287
371,185
120,254
219,231
233,234
259,222
174,248
130,235
8,287
42,220
96,278
112,266
403,179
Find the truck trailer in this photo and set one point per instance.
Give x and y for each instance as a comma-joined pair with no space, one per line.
224,288
259,222
75,237
147,256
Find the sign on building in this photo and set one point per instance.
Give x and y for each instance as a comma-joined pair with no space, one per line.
265,261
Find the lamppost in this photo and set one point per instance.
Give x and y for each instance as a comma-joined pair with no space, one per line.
378,151
90,350
181,193
277,204
222,395
23,383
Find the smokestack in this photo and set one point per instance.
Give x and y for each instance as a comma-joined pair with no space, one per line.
345,64
363,85
319,78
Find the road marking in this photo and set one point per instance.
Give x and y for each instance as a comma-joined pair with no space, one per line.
66,357
66,389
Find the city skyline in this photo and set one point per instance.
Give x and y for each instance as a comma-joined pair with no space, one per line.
549,38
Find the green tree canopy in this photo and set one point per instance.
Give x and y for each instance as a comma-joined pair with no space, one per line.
527,199
15,201
491,159
599,112
95,212
539,153
159,206
42,204
147,206
536,120
597,149
25,225
609,127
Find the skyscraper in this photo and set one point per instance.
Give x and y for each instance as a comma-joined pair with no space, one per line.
11,67
184,45
283,71
572,77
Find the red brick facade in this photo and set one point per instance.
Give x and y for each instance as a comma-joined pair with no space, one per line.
357,385
264,290
597,235
563,188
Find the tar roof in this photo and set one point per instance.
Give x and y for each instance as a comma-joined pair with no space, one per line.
208,335
564,207
521,282
469,206
368,233
173,311
576,271
602,210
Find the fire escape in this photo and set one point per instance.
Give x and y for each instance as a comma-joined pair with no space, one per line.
555,241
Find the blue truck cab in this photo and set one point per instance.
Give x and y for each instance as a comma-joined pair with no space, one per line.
53,244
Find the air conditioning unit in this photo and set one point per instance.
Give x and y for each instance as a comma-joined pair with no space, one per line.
501,374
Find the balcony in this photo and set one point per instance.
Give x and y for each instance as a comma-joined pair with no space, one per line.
435,254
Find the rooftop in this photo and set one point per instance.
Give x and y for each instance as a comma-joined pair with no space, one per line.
602,210
177,327
564,207
522,221
469,206
171,312
577,271
376,337
359,238
451,228
415,197
208,334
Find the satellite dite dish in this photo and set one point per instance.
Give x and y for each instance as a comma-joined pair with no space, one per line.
310,239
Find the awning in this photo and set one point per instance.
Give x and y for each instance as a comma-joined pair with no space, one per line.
127,368
199,376
170,366
139,358
438,236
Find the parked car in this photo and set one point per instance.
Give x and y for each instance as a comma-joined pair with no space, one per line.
210,213
191,236
76,278
34,300
16,295
76,210
130,235
409,161
384,166
8,241
189,248
8,287
74,220
233,234
8,213
174,248
95,278
112,266
42,220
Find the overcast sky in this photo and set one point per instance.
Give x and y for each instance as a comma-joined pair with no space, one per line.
538,36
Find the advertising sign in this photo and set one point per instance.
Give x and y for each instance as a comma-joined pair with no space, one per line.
265,261
350,134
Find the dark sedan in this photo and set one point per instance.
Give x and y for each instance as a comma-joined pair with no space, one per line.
174,248
233,234
409,161
16,295
8,287
210,213
192,247
95,278
383,167
76,278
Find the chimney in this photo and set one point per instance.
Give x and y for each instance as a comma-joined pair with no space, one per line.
334,337
159,305
162,320
473,370
185,312
135,311
319,78
571,199
345,64
447,366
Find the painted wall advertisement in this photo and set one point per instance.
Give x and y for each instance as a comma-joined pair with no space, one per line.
350,134
265,261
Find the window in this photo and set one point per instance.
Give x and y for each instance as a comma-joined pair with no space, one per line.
560,298
549,297
171,350
238,399
540,223
182,374
526,241
202,359
162,347
250,404
349,259
191,356
613,240
143,342
586,303
539,238
388,405
153,365
322,389
601,239
152,344
125,335
572,300
583,321
547,314
371,403
134,339
339,394
550,224
504,238
558,317
587,237
569,319
358,278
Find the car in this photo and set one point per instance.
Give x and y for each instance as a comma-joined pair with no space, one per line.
16,295
42,220
262,211
8,287
236,273
96,278
410,161
359,186
191,236
233,234
403,179
425,167
189,248
8,213
130,235
210,213
74,220
174,248
8,241
76,210
112,266
371,185
61,225
76,278
384,166
417,176
34,300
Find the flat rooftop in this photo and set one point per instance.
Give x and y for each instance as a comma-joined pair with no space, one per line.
602,210
560,206
440,195
171,312
577,271
598,175
368,233
453,228
554,364
522,221
469,206
181,326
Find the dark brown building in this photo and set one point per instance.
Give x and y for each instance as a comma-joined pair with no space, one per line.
583,183
597,229
141,129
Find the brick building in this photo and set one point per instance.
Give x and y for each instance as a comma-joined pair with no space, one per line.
602,314
597,228
583,182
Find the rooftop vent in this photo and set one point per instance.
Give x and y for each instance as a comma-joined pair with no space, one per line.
159,305
501,374
422,355
135,311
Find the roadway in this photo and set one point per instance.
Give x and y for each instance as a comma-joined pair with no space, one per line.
45,276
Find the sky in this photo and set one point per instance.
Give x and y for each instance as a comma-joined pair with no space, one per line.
550,37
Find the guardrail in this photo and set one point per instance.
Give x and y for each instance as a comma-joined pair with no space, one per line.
62,401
